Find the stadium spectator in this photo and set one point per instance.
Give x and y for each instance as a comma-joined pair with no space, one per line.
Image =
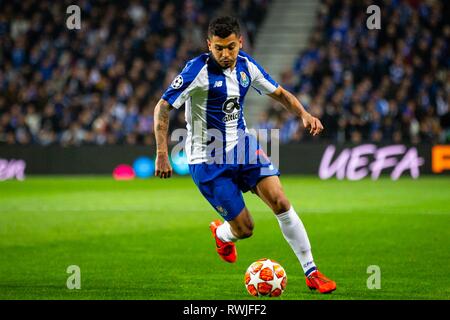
388,85
98,85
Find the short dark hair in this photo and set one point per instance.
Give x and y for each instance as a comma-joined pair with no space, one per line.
223,26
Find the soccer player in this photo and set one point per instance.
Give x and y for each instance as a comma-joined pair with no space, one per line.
213,86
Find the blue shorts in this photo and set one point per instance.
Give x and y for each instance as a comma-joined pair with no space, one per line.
222,184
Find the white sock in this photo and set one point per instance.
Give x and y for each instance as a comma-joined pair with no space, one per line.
295,234
224,233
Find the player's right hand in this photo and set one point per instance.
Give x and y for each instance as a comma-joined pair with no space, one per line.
312,124
163,169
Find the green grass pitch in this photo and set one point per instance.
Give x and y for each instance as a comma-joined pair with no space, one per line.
149,239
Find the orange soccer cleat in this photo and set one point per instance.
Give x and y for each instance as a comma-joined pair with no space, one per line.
317,280
226,250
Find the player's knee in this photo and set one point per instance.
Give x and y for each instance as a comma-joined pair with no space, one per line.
281,204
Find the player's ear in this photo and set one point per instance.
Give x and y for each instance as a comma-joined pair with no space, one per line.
240,42
209,43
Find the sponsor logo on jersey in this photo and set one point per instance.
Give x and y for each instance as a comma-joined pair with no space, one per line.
231,117
232,109
231,105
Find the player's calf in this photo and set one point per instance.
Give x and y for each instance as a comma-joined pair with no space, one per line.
242,226
227,233
243,232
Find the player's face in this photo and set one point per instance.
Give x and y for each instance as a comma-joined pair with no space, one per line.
225,50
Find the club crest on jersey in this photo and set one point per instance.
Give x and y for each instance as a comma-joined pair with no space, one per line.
229,107
244,80
177,82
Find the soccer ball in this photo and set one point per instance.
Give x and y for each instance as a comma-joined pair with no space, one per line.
265,277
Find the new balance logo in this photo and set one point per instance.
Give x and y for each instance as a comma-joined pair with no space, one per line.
217,84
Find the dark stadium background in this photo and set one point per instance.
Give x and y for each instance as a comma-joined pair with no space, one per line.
99,85
74,104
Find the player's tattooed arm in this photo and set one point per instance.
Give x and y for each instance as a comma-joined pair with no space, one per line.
163,168
290,102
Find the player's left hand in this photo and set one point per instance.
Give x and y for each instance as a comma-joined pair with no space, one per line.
312,124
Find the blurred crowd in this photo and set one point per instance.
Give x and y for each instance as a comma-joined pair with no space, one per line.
386,86
100,84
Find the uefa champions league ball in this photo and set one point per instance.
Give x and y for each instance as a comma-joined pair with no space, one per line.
265,277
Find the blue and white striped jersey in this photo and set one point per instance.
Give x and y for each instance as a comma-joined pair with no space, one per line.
214,99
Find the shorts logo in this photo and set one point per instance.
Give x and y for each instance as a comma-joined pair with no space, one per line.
229,107
244,80
177,82
222,211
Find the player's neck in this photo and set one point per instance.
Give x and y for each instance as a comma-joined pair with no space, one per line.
231,68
